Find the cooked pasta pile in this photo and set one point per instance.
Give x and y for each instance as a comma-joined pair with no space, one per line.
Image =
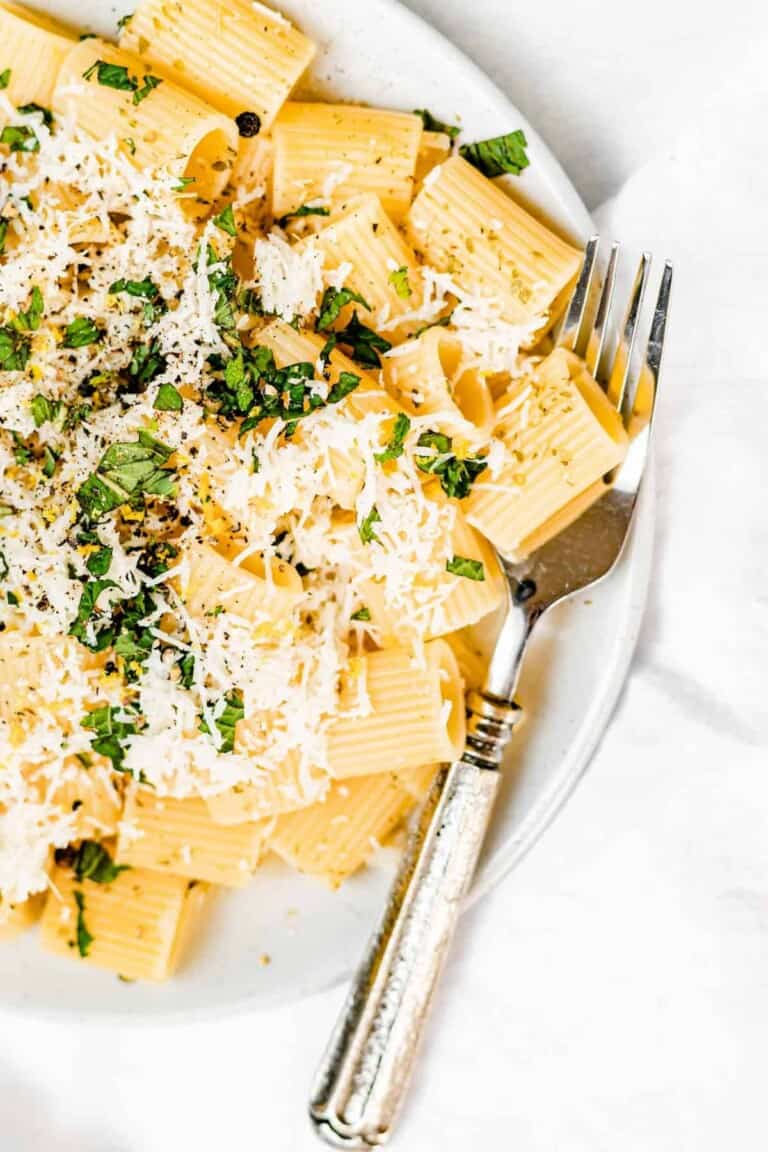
273,378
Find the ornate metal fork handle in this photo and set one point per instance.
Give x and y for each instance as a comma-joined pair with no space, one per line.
366,1068
370,1056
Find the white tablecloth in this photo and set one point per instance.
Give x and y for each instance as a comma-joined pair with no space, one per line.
613,993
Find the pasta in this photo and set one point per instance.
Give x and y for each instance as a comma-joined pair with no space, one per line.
414,714
333,151
462,223
384,269
179,836
130,925
168,126
430,379
236,56
274,380
37,46
333,839
212,584
565,435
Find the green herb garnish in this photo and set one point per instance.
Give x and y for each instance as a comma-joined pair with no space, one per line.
127,471
363,614
14,350
225,719
456,474
365,345
84,938
365,526
110,733
432,124
463,566
397,440
29,321
168,399
226,221
91,861
498,155
5,78
81,332
98,562
44,410
398,278
334,300
111,76
304,210
87,610
117,76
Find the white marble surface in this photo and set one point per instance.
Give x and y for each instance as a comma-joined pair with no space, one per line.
613,993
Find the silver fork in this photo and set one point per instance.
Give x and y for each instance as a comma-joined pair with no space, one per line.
366,1068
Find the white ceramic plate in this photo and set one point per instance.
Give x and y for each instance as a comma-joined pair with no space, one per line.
378,52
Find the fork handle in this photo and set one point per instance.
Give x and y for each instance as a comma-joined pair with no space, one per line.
366,1069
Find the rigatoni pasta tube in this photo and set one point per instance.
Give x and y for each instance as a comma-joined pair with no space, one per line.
464,601
333,839
132,923
429,379
237,56
277,790
416,714
563,435
383,269
464,224
334,151
180,836
167,128
33,48
212,583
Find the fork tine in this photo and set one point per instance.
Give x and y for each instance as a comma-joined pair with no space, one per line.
642,383
577,308
622,361
659,324
594,350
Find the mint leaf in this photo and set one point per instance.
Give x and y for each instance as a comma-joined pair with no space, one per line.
463,566
398,278
226,221
498,155
456,474
332,303
432,124
81,332
168,399
397,440
84,938
126,471
14,350
111,76
226,721
91,861
304,210
364,344
149,85
365,526
110,733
